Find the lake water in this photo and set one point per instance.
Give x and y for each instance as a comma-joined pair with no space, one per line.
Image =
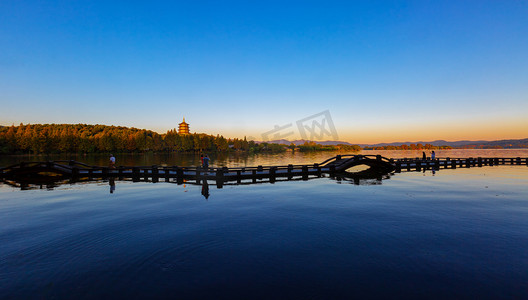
458,234
248,160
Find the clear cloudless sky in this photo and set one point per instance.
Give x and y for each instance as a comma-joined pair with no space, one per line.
387,71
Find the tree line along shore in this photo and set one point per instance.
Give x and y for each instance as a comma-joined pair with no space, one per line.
82,138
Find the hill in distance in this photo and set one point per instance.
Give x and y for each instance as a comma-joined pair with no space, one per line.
510,143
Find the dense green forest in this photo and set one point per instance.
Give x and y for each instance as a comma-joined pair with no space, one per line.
82,138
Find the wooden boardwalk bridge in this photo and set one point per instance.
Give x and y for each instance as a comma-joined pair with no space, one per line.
342,165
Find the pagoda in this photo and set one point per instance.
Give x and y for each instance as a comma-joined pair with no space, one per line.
183,128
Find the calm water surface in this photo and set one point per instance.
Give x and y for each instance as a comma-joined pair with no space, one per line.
459,233
245,160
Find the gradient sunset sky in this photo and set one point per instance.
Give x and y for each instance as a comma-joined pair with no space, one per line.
386,71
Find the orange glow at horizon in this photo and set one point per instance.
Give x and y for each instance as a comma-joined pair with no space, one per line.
492,130
405,130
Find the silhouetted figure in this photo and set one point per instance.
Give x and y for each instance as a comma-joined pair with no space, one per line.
112,184
205,164
205,189
112,161
433,155
424,157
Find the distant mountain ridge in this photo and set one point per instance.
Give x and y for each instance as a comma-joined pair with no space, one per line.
509,143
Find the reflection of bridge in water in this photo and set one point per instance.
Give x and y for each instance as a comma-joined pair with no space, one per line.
51,183
357,169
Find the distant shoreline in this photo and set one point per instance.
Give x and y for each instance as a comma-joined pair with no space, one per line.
83,138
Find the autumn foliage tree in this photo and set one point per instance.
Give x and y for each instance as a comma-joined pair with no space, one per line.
82,138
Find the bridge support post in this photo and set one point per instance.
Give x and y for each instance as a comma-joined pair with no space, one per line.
479,161
75,173
135,174
155,174
239,176
167,173
179,175
318,168
290,167
272,172
305,172
219,178
105,172
518,160
197,175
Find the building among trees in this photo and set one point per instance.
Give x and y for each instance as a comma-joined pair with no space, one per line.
183,128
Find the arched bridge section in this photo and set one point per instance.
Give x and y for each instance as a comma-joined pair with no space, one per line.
341,163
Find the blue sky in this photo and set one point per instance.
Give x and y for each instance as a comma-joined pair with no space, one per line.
386,70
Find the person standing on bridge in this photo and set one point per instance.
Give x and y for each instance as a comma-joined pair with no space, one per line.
205,163
112,161
423,155
433,155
